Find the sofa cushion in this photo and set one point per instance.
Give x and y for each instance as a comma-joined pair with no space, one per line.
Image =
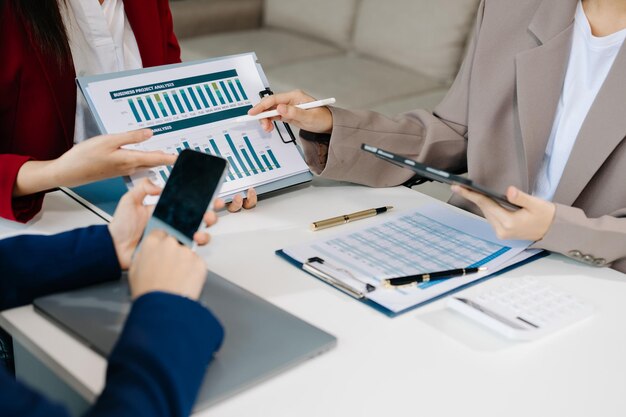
200,17
355,81
273,47
427,36
330,20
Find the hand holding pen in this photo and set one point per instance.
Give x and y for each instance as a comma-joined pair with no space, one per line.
317,120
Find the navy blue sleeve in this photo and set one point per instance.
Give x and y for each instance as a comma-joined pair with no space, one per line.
155,370
159,362
35,265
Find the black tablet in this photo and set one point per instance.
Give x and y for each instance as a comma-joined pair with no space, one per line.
438,175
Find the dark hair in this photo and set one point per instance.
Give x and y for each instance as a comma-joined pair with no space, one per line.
44,21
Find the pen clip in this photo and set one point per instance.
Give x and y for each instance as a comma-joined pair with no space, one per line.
313,266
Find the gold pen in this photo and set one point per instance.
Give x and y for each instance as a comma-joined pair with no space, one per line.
347,218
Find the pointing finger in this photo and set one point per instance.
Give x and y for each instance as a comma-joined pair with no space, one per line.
135,136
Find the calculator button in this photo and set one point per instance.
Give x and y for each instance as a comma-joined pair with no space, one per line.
531,300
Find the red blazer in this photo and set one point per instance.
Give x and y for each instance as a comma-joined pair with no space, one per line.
38,100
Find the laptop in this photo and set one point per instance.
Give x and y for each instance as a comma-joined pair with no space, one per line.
260,341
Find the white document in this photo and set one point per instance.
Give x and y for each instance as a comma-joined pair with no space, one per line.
428,239
192,107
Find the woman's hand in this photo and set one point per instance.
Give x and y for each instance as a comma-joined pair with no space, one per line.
131,217
95,159
319,120
531,222
239,202
103,157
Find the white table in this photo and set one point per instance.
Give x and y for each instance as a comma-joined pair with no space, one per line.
428,362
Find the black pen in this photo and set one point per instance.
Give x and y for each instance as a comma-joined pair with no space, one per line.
432,276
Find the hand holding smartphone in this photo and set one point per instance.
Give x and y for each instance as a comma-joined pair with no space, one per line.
194,182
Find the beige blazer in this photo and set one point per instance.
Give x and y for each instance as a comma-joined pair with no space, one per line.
496,121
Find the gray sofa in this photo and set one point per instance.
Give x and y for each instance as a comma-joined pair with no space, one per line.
386,55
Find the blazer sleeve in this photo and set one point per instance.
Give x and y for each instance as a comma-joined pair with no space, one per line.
595,241
159,362
20,209
155,370
34,265
438,139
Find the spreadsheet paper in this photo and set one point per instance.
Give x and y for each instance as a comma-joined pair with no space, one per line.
431,238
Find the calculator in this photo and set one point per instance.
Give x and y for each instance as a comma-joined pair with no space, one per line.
523,308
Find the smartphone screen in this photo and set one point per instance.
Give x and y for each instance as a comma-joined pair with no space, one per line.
193,182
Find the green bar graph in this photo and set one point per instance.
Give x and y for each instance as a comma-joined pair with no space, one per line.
186,100
228,96
234,90
169,103
163,175
247,158
218,92
193,97
199,91
134,110
267,162
178,103
243,93
274,160
211,97
234,166
160,104
143,108
233,148
151,105
253,152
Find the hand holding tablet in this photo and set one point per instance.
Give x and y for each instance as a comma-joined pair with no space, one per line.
438,175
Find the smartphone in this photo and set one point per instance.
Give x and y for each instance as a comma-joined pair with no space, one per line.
193,183
438,175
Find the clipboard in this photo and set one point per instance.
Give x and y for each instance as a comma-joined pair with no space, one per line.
103,196
429,238
334,283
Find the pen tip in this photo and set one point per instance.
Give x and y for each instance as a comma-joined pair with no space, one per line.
482,268
389,207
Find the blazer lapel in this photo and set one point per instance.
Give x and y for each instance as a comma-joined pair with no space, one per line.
540,74
603,130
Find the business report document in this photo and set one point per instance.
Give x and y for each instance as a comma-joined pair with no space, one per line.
192,106
427,239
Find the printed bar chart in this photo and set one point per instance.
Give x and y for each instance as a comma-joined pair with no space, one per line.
169,103
143,108
134,110
197,94
160,104
244,158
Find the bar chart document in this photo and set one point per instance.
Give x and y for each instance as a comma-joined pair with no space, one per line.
425,240
191,106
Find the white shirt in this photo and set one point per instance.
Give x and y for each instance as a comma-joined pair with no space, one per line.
590,61
101,41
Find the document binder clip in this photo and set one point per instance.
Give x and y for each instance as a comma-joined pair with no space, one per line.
268,92
316,266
